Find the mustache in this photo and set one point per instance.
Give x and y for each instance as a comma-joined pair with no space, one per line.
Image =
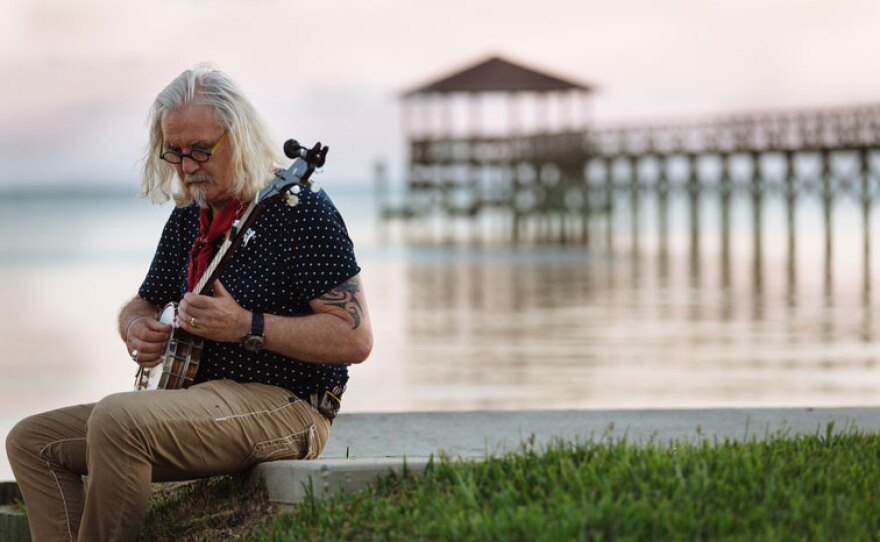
198,178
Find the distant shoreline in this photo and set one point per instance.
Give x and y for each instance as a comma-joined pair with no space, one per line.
86,190
68,190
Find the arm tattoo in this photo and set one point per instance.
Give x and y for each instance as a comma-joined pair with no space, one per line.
344,296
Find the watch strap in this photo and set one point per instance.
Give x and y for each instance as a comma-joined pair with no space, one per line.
257,327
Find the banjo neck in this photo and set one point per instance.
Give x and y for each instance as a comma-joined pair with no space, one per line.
304,164
230,244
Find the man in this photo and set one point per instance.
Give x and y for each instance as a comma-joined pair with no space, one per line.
284,321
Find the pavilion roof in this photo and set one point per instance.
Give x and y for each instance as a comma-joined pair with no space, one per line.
496,74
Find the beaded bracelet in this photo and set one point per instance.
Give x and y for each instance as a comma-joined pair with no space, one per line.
128,327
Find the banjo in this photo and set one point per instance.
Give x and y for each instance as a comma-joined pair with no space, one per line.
183,351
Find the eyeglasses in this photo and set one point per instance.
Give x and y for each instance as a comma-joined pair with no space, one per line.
196,155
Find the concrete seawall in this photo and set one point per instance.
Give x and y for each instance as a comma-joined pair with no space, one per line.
476,434
378,443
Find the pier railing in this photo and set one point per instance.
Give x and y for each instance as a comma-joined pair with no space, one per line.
816,130
819,130
571,176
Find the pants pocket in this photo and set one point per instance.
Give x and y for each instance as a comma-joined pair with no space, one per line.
299,445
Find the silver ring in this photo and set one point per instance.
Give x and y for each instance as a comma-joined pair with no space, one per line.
134,354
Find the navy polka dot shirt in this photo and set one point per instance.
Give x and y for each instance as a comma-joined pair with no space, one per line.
296,254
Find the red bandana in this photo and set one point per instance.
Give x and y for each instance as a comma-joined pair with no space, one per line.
209,231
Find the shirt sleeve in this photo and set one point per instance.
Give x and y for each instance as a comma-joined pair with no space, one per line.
163,281
323,255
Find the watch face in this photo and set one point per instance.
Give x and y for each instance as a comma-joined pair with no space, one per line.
252,343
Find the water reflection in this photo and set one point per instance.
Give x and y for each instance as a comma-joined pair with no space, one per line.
688,299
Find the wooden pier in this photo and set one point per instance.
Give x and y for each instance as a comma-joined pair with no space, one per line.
549,179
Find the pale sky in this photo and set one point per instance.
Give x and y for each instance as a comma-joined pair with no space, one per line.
78,76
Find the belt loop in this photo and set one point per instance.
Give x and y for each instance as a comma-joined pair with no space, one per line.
328,402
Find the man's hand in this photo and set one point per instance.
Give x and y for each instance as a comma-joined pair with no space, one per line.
148,336
217,318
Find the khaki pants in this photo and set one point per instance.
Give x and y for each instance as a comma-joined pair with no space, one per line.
129,439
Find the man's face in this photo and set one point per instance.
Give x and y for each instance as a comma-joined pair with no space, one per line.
194,127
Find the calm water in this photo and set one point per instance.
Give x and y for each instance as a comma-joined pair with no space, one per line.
634,321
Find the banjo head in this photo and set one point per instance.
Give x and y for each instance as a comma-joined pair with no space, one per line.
169,314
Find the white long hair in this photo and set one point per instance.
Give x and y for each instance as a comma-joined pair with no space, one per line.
251,143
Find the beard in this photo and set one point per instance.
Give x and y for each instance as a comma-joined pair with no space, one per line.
199,192
199,195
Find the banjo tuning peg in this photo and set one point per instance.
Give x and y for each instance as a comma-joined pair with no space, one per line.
292,148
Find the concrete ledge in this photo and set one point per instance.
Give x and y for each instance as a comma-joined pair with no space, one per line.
13,523
363,447
486,433
288,482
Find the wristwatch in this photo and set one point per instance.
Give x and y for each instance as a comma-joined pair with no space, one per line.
253,341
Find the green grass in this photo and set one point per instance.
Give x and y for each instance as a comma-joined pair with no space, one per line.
819,487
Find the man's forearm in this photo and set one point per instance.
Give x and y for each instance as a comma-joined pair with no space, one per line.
337,331
138,307
317,338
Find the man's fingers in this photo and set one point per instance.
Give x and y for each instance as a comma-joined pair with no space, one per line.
157,337
197,301
156,325
220,290
185,323
183,318
148,348
148,355
154,336
148,337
